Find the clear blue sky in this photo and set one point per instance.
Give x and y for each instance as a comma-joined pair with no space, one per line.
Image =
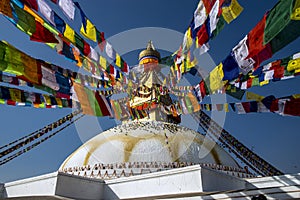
275,138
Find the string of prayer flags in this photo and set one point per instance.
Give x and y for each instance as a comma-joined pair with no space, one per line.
17,97
286,106
43,75
278,70
78,51
208,21
89,31
272,33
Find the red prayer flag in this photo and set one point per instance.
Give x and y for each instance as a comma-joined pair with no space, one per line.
42,34
102,105
202,35
208,5
246,106
274,106
31,4
257,50
111,69
202,89
101,40
292,107
10,102
86,48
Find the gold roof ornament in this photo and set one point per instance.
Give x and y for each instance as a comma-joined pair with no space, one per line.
149,52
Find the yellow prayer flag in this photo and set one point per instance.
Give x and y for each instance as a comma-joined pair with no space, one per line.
69,33
215,78
293,65
188,40
264,83
2,101
42,105
255,97
59,102
232,11
118,60
182,67
102,62
47,99
296,11
226,109
296,96
207,107
188,62
172,71
197,43
194,101
90,31
15,94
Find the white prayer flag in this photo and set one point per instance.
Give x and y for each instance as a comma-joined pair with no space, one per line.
68,8
46,11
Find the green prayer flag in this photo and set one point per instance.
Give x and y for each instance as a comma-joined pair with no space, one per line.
255,81
79,42
278,18
25,21
290,33
188,104
220,25
235,92
93,102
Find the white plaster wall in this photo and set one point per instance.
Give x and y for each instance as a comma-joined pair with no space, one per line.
37,186
176,181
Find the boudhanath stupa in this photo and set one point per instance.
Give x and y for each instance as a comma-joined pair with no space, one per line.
152,157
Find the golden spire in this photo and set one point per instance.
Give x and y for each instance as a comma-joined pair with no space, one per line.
149,52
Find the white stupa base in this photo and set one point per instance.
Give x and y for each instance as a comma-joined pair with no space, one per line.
193,182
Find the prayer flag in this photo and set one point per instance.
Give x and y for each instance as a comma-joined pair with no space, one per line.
59,23
102,62
31,4
89,31
46,11
230,68
215,78
118,60
69,33
232,11
25,22
5,8
68,8
199,15
42,34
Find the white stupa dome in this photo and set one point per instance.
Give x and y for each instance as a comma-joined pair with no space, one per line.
149,141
